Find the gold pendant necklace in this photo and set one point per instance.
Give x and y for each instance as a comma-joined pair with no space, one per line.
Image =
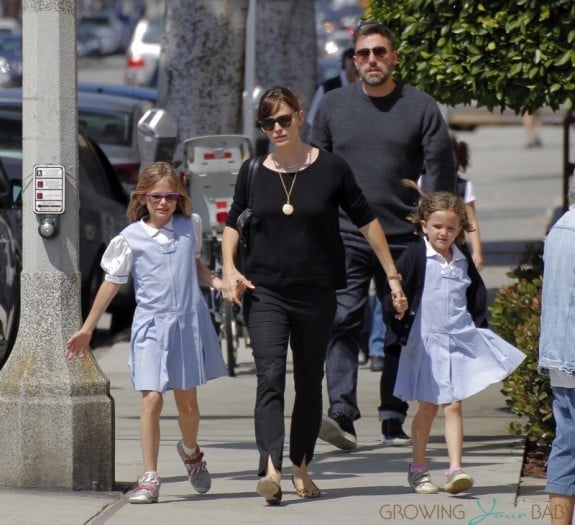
287,208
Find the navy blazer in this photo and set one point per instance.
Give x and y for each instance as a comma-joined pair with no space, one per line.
411,265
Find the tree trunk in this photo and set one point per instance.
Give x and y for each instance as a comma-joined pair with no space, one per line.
203,57
203,65
286,47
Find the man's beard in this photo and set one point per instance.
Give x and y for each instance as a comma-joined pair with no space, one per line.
374,80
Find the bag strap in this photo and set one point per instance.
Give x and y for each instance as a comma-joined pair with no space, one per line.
253,166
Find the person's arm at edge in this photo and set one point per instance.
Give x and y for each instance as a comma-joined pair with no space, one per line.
375,236
474,236
234,282
206,277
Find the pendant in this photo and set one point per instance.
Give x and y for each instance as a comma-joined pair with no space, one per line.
287,208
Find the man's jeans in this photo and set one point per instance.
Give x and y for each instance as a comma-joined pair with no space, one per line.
343,347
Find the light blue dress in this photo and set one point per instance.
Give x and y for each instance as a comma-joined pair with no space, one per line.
173,340
447,358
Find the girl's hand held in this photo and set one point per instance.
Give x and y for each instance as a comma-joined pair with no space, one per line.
400,303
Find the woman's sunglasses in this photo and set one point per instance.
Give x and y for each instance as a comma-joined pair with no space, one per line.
157,197
268,124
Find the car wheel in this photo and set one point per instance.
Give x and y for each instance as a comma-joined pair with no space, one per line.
10,331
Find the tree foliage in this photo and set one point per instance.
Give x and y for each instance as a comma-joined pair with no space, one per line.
498,53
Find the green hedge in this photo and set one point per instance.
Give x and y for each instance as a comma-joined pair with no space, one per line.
515,313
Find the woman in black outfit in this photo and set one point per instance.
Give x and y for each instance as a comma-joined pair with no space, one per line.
295,262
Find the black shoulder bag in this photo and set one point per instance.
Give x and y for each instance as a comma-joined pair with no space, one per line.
244,218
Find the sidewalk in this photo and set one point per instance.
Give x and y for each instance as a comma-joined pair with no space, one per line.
365,486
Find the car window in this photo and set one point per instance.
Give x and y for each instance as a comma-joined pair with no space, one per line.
96,170
3,179
153,34
11,44
90,172
112,128
11,135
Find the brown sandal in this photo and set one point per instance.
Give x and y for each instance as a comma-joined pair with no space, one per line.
270,490
306,493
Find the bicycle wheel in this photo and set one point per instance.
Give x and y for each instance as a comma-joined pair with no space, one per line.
231,336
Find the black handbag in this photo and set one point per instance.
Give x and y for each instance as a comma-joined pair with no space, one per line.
245,217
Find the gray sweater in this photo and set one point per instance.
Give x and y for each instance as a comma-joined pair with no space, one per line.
384,140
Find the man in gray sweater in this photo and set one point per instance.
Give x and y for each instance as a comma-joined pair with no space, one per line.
386,131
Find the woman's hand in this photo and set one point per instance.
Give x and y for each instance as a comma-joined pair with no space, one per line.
77,345
234,285
399,300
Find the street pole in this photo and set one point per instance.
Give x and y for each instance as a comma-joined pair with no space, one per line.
56,416
250,73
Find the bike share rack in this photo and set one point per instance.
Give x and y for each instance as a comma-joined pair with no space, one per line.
212,164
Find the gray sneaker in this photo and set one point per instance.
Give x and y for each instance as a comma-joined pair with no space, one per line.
458,481
420,481
197,470
147,490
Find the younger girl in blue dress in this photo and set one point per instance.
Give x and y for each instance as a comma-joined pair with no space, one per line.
448,353
173,342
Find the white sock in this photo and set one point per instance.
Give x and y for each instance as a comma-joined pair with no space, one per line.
189,451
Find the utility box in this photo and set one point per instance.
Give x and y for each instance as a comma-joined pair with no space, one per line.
157,137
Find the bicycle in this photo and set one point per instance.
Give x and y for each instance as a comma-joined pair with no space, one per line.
212,163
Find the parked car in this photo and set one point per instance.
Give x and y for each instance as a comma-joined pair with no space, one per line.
149,94
143,53
10,262
88,40
10,27
108,28
112,121
334,44
102,215
10,61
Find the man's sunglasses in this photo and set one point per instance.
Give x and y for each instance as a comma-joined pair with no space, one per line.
268,124
157,197
364,52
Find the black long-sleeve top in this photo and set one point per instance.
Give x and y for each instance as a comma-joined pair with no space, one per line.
304,249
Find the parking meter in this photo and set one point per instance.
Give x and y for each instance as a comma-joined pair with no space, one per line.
157,137
49,190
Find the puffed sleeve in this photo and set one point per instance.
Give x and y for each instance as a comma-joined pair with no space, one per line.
197,221
117,261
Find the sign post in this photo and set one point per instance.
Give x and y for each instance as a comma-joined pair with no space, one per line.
56,416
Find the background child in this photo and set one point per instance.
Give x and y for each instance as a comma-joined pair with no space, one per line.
173,343
460,151
465,189
448,352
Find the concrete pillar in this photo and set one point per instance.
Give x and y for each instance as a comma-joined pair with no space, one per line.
56,416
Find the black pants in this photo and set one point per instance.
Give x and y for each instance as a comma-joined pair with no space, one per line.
342,355
303,317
